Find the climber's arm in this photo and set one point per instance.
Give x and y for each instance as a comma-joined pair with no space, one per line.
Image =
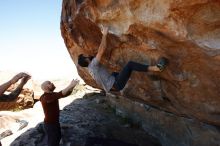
103,45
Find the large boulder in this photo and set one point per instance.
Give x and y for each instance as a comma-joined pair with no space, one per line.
186,32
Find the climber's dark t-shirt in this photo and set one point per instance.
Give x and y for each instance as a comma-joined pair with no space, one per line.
50,106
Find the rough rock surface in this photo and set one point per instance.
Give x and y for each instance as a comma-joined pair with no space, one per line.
186,32
170,129
91,116
81,118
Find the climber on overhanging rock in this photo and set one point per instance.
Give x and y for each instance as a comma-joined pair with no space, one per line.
115,81
14,94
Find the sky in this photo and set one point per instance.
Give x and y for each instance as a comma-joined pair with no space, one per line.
31,41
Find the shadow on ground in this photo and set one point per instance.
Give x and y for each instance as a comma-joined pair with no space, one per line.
89,121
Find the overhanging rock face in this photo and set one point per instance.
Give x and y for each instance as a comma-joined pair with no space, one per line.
186,32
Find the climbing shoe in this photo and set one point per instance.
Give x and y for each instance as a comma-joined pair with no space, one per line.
162,63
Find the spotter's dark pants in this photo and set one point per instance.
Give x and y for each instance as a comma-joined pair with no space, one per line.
53,134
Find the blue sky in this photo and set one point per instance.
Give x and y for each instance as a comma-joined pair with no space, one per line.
30,39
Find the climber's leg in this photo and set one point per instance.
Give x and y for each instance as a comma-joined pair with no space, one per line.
122,77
